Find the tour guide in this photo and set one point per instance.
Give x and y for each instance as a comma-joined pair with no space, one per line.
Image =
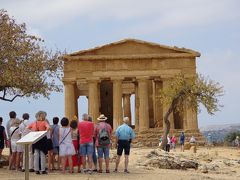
124,135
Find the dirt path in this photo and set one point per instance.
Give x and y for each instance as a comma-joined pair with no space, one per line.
146,172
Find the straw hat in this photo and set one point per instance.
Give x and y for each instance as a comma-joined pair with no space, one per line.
102,118
75,118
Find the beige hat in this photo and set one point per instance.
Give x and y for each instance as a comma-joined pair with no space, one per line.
102,118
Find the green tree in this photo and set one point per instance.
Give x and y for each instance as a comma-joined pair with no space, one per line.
27,68
189,93
231,136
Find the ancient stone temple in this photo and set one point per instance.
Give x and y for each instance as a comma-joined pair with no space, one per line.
110,74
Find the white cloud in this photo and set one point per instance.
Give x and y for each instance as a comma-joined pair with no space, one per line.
188,14
151,15
45,13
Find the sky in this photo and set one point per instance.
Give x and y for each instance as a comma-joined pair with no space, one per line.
210,27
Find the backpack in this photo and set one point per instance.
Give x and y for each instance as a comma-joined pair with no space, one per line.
103,137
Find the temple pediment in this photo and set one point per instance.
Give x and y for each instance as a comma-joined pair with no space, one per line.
132,48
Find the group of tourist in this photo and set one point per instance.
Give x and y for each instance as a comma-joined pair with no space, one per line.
71,144
172,142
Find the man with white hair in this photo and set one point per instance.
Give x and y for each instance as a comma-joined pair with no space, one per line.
124,135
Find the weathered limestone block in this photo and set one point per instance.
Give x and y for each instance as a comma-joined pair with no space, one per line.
4,161
117,102
187,146
143,106
159,159
193,149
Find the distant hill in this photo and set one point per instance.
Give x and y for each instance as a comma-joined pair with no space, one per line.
218,132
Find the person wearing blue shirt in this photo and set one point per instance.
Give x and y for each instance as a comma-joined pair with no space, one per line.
182,140
124,135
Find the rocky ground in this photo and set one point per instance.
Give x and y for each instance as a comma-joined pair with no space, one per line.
215,161
148,163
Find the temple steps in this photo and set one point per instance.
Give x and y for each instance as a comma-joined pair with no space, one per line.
150,137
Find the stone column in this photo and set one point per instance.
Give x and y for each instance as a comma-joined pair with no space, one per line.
166,84
143,106
158,107
150,104
136,107
195,120
185,117
172,126
70,99
76,101
99,98
190,119
127,106
117,102
93,99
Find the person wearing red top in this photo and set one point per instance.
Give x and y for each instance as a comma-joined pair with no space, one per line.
102,134
174,141
39,125
86,130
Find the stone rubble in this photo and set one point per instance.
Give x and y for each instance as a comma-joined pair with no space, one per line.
4,161
163,160
202,162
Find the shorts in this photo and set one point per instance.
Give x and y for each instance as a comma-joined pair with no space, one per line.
16,147
66,149
2,144
123,145
49,144
56,150
103,151
86,149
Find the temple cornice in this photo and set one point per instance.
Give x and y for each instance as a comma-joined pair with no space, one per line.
130,57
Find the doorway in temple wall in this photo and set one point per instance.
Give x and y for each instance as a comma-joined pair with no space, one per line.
106,100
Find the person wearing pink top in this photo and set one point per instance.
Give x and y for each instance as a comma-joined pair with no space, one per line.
174,141
86,130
